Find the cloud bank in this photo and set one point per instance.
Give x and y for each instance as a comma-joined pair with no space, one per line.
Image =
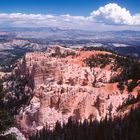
114,14
105,17
39,20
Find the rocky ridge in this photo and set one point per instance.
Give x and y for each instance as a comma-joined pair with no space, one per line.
64,86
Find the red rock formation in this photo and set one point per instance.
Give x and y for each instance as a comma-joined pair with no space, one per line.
63,88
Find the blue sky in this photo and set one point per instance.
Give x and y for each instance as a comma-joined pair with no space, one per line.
75,14
73,7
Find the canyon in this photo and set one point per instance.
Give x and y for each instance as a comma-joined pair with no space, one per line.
64,87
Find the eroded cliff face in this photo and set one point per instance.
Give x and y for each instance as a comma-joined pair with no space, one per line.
64,86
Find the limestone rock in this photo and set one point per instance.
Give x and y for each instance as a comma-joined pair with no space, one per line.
63,87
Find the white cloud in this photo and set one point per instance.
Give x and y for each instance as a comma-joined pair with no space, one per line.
114,14
136,19
104,18
39,20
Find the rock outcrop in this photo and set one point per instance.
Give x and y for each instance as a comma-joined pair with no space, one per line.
64,86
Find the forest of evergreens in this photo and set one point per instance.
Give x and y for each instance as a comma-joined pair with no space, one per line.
12,97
